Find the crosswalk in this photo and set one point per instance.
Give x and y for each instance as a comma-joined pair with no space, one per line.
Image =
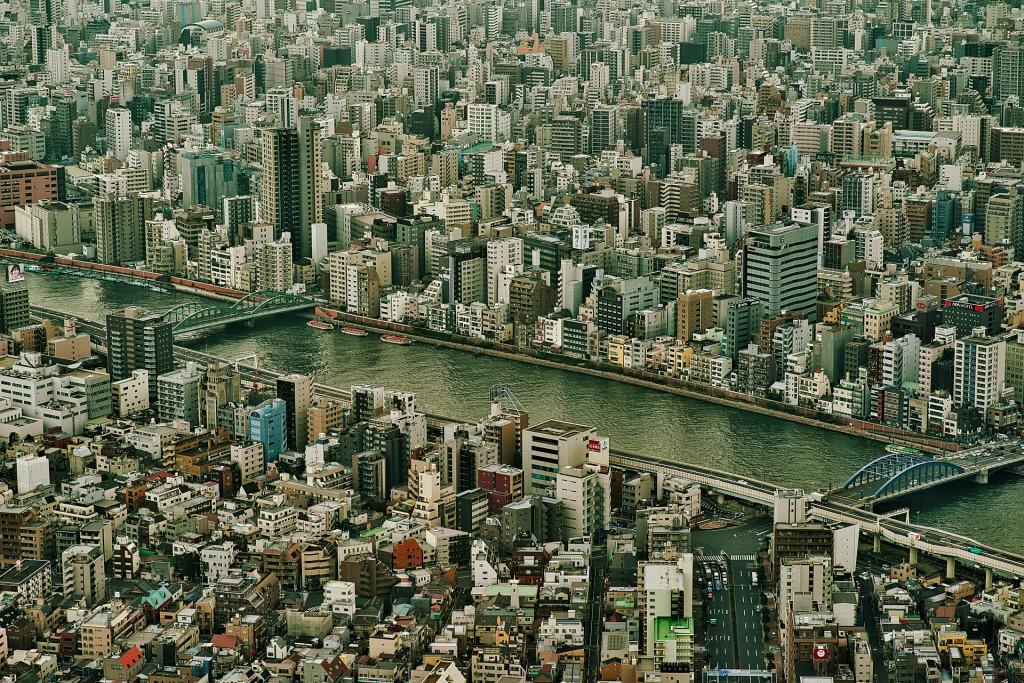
721,558
711,559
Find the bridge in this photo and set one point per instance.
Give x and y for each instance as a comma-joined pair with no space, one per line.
196,316
901,472
889,527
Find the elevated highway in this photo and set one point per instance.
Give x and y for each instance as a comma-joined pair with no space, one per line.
888,527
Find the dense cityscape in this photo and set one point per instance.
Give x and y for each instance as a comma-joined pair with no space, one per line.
807,216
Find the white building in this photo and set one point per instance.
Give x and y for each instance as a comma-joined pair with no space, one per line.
550,446
131,394
275,265
503,255
33,472
217,558
119,132
979,370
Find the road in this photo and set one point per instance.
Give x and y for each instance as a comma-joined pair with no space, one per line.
735,640
595,615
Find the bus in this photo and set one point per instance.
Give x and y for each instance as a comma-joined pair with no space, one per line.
718,585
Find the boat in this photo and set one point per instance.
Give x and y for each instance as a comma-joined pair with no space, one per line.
320,325
896,449
395,339
354,331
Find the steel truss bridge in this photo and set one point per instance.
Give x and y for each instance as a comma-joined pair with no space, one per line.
196,316
897,474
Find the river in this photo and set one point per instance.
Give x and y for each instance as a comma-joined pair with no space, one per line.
456,384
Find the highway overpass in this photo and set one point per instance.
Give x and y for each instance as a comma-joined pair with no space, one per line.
916,538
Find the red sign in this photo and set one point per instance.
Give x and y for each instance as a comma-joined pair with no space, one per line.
819,653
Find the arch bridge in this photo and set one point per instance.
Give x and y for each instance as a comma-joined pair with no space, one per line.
895,474
193,316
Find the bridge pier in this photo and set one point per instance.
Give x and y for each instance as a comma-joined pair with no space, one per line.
876,543
720,498
950,567
988,578
913,555
981,477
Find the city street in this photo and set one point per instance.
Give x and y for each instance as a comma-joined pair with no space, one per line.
734,639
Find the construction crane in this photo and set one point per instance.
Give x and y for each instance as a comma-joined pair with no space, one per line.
254,364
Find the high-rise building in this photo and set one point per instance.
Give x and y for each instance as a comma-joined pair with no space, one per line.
979,370
24,535
694,312
275,268
14,311
289,195
268,426
139,341
550,446
780,268
119,132
121,227
297,392
178,395
84,574
1008,71
24,182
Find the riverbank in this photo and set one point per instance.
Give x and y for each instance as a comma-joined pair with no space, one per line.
717,396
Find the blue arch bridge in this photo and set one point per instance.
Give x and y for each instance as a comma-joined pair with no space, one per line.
902,471
196,316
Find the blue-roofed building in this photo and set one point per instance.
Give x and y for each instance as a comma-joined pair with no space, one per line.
268,424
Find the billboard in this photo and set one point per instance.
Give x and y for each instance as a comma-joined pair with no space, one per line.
15,273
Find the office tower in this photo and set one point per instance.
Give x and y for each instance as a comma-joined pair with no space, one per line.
780,268
59,139
119,132
969,311
694,313
742,322
979,370
297,392
551,446
289,197
14,311
467,272
268,426
24,182
139,341
618,299
665,591
121,227
178,395
83,573
207,177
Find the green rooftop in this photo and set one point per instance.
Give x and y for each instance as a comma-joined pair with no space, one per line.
667,628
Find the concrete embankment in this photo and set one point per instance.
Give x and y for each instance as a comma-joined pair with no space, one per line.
692,390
